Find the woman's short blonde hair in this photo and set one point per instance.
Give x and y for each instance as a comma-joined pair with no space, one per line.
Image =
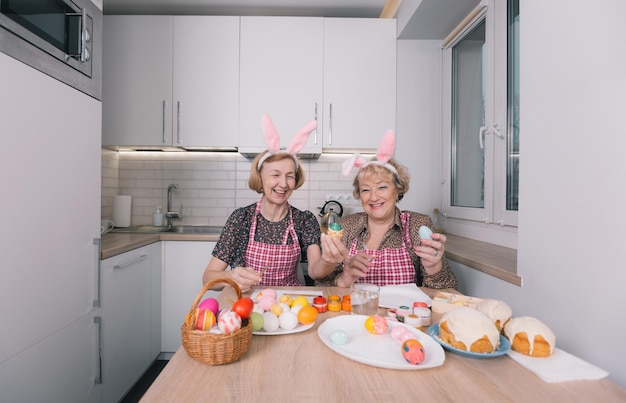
400,181
255,183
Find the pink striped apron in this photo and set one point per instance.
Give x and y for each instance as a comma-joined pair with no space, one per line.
280,261
391,265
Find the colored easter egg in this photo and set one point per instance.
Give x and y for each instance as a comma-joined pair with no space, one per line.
257,321
205,319
376,324
413,351
210,304
339,337
425,232
228,322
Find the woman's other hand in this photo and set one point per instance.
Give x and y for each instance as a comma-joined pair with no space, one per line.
431,252
354,268
322,263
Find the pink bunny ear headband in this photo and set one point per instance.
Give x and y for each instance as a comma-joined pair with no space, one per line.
383,154
270,134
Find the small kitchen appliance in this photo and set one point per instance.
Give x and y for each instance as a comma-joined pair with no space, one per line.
329,214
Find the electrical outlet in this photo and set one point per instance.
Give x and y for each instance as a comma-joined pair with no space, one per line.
342,198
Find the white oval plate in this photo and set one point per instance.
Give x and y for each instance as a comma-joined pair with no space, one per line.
377,350
297,329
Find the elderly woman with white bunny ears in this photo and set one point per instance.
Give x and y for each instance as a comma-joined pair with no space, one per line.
382,245
263,242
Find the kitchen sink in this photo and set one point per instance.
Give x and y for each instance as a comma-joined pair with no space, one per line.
176,229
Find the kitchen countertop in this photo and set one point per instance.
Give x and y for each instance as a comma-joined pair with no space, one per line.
116,243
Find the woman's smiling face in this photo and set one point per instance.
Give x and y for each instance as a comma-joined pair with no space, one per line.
279,180
378,197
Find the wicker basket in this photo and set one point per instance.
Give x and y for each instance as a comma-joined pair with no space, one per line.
211,348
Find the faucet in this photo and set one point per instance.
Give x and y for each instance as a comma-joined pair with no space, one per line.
169,214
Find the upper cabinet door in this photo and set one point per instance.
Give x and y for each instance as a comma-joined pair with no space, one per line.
281,75
137,81
359,82
206,81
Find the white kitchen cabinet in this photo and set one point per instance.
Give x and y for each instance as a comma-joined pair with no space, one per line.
206,81
280,74
340,71
137,80
64,367
184,264
48,280
129,308
359,82
170,81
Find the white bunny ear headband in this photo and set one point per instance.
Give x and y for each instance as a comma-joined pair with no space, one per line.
272,139
383,154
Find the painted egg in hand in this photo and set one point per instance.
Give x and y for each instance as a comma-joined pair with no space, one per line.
425,232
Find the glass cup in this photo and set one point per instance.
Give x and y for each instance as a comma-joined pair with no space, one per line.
364,298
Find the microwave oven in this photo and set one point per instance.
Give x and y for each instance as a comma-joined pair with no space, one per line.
61,38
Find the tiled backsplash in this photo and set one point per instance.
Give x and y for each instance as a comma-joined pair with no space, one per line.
211,184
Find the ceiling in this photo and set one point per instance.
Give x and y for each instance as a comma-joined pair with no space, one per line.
417,19
311,8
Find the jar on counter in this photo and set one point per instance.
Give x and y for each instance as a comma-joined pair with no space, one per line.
334,303
346,303
320,304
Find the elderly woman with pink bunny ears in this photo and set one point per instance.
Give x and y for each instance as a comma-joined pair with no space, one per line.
263,242
382,245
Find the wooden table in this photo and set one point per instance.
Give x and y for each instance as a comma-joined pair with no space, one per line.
300,368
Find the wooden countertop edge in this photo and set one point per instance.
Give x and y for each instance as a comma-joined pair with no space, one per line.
494,260
113,244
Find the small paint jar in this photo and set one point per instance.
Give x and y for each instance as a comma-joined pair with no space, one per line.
423,314
402,311
334,303
320,304
412,320
419,304
346,303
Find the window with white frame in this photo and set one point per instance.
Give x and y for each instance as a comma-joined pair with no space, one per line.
481,117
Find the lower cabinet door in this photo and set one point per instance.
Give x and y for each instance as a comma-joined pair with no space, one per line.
184,265
126,353
63,367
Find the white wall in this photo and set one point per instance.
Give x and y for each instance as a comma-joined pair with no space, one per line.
572,218
419,106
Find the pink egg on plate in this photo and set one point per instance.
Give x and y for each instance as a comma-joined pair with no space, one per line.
266,302
413,351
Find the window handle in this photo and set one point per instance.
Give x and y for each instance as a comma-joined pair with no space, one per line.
496,131
481,136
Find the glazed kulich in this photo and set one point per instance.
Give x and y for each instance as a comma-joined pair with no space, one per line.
467,329
498,311
530,336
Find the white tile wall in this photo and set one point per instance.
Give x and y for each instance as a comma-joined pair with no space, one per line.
211,185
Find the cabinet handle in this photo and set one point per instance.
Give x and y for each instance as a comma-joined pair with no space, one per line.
98,321
315,138
330,124
163,123
130,262
178,123
96,301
